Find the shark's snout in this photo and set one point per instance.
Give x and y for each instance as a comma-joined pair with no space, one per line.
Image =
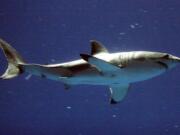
170,60
175,59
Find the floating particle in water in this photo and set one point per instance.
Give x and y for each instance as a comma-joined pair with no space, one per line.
94,6
132,26
176,126
43,45
68,107
114,116
10,92
1,14
171,8
136,24
140,127
166,130
143,10
53,60
164,108
86,100
63,25
122,33
111,26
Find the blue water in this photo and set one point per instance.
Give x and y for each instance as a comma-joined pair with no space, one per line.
54,31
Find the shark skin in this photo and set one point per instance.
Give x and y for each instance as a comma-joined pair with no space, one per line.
115,70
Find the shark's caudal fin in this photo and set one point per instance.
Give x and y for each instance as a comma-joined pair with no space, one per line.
14,61
97,47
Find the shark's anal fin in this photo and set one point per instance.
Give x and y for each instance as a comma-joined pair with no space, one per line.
100,64
118,92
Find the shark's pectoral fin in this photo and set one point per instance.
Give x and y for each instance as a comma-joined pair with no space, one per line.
101,65
118,92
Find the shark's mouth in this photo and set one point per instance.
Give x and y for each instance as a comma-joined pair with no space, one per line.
163,64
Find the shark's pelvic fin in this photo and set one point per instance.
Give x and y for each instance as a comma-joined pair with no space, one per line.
97,47
118,92
101,65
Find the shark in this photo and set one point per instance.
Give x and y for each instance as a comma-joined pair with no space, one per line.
115,70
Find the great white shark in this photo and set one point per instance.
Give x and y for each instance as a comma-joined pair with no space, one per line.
115,70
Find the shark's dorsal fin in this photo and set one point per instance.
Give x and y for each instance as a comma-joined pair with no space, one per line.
97,47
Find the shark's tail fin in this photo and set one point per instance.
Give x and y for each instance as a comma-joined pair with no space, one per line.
14,61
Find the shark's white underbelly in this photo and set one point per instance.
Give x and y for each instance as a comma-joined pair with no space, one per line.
130,74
